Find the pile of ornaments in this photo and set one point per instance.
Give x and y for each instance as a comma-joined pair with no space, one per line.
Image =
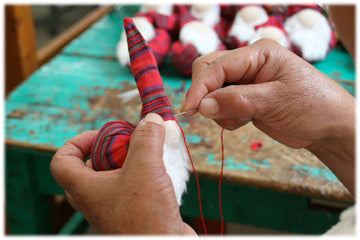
186,32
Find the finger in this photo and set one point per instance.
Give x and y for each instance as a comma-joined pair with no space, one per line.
146,143
67,166
240,66
89,164
242,102
202,62
198,66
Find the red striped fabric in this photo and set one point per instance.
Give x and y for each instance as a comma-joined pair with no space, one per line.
110,147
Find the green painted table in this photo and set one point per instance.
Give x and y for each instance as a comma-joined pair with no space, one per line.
275,187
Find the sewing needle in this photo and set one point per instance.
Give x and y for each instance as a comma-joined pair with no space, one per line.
179,114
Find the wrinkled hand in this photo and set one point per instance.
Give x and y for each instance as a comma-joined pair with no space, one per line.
137,199
283,95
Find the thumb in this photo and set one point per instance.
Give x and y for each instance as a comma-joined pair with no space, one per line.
147,143
242,102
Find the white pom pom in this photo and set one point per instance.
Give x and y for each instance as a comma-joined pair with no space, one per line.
208,14
245,21
311,32
201,36
176,158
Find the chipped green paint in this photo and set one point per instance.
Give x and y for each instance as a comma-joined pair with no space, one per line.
259,163
229,163
193,139
101,38
316,172
339,65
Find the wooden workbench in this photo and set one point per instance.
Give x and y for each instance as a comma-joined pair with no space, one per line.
275,187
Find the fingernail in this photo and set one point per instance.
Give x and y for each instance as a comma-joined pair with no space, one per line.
209,107
153,117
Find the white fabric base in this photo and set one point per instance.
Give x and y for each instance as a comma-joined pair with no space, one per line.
176,158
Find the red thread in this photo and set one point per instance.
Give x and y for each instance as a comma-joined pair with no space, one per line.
221,175
197,180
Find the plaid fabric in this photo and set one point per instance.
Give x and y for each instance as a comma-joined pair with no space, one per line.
160,45
293,9
185,16
221,28
228,11
182,57
111,145
159,20
148,16
274,22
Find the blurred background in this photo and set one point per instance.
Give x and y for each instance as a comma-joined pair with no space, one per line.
50,21
37,33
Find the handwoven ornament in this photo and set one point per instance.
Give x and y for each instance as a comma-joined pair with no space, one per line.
111,145
273,29
158,39
309,31
243,26
195,39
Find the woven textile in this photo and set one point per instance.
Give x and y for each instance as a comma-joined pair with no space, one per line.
110,147
111,144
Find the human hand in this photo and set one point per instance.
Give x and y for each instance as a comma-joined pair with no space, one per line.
283,95
136,199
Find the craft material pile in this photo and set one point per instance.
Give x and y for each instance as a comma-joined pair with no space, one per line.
185,32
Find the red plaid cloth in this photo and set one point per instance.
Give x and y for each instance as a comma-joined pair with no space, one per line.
293,9
182,57
110,147
169,23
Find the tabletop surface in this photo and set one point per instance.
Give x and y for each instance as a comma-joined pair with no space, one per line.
78,91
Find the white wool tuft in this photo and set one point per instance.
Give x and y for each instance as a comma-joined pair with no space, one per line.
176,158
147,31
272,33
165,9
245,21
313,40
208,14
201,36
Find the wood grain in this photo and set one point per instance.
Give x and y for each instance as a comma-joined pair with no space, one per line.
57,44
20,45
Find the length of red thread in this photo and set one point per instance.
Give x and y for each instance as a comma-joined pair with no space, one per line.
221,175
197,180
